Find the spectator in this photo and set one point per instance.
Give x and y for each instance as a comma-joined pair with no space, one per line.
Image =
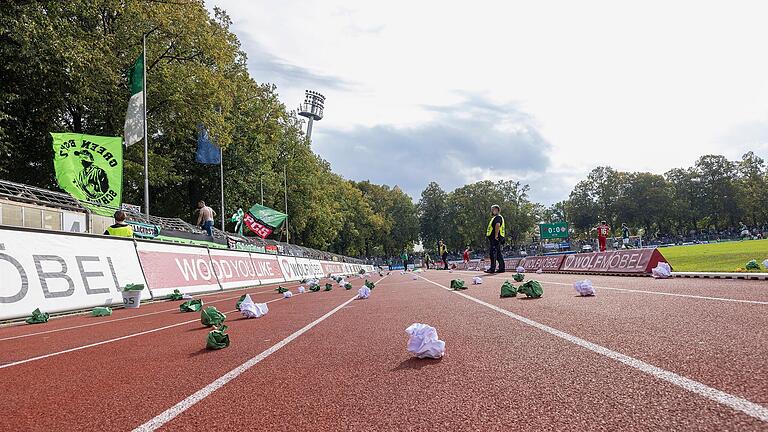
496,233
120,228
205,215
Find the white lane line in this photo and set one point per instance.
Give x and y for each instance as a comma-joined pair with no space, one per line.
739,404
206,391
659,293
139,315
115,320
132,335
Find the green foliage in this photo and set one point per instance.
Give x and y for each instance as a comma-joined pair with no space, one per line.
64,69
713,194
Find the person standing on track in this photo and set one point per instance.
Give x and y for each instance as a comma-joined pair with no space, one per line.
404,257
443,251
496,232
466,258
426,259
602,235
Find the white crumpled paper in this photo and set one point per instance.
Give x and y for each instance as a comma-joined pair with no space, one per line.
450,271
364,292
186,297
423,341
302,290
520,269
249,309
765,264
477,280
584,287
414,277
539,271
287,294
661,271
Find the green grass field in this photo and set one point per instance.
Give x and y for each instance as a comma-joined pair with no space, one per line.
716,257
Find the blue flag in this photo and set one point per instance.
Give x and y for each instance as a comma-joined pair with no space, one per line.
207,151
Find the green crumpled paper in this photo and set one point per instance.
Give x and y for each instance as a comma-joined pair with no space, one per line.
314,288
240,300
281,289
457,284
752,265
212,317
191,306
532,289
370,284
328,287
133,287
518,277
177,295
101,311
347,286
508,290
38,317
217,339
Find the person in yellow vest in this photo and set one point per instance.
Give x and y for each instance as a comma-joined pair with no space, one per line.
120,228
496,232
442,249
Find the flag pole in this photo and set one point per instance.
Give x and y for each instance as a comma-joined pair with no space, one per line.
221,172
146,146
285,185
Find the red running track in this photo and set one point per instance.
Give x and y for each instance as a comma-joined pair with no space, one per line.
693,361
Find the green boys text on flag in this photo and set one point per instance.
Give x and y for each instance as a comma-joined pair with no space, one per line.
134,118
90,168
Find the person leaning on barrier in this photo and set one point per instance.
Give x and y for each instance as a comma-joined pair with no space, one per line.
120,228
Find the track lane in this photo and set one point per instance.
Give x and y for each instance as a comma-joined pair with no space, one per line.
353,373
165,367
720,344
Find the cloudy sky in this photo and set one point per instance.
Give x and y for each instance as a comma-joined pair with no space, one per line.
540,92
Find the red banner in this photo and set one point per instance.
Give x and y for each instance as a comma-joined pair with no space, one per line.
620,261
257,227
511,263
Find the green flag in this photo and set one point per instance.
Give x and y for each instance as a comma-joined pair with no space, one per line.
134,117
90,168
267,215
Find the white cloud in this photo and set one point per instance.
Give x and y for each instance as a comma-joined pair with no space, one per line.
643,86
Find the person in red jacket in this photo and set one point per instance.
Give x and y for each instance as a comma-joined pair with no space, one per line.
602,234
466,258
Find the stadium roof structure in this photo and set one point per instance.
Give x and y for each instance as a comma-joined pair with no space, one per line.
34,195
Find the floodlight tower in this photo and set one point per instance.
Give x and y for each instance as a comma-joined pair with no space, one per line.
312,109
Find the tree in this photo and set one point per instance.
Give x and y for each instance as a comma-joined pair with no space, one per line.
432,214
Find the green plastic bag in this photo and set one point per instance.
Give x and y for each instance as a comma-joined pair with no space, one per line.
314,288
457,284
369,284
508,290
347,286
281,289
177,295
101,311
532,289
212,317
133,287
518,277
217,339
328,287
38,317
752,265
191,306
